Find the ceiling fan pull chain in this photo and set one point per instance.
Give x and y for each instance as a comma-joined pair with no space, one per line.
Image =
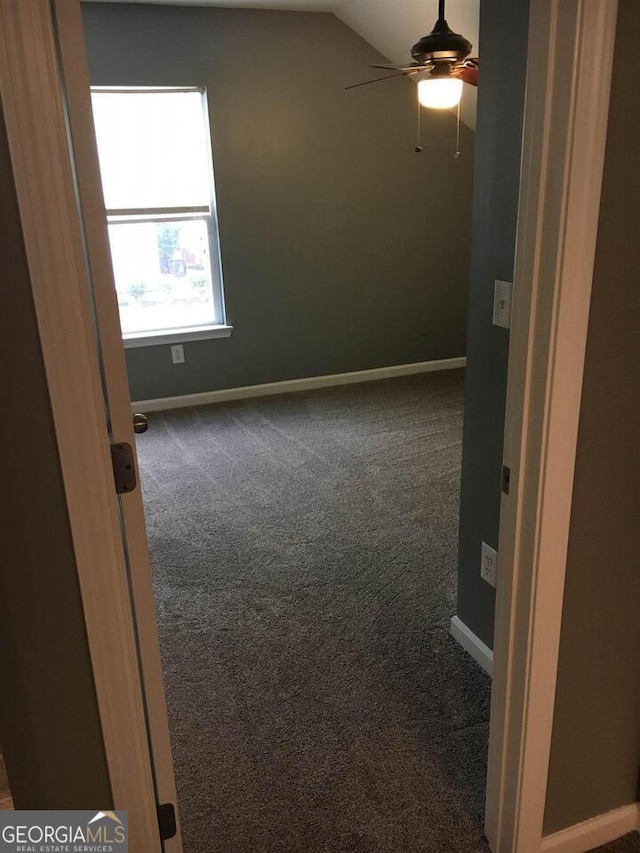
418,148
458,153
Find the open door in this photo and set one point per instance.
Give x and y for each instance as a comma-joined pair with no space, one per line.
74,74
44,86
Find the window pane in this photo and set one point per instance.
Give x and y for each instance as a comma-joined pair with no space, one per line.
163,274
153,149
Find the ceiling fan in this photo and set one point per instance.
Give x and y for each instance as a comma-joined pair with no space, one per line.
443,54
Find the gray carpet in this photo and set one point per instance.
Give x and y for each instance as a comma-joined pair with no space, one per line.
629,844
304,554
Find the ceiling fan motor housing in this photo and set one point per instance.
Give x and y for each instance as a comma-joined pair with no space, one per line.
441,45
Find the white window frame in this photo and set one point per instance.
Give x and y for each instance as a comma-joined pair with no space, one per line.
208,213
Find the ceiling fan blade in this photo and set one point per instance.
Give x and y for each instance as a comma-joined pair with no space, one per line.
468,71
377,80
404,68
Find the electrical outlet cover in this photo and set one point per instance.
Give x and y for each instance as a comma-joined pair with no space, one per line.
177,354
489,564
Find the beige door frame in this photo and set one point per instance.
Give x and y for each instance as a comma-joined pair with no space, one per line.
570,56
571,45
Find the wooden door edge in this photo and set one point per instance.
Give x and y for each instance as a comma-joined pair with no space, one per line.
36,129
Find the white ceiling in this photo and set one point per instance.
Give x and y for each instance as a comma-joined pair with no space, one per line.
391,26
398,24
394,26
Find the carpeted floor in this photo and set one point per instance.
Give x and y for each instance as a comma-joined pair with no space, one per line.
304,555
629,844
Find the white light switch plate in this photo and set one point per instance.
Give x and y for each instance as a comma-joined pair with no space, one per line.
502,291
489,564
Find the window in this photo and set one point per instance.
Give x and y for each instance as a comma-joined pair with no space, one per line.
157,177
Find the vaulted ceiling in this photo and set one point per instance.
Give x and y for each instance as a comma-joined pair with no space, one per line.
391,26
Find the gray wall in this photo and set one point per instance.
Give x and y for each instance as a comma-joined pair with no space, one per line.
595,754
503,35
342,249
49,726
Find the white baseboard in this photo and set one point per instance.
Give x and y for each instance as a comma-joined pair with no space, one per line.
594,832
472,644
291,385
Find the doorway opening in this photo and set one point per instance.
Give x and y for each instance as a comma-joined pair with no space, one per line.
304,549
521,717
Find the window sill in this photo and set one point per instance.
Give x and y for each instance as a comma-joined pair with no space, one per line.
176,336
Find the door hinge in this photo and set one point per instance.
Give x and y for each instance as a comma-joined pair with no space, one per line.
124,469
167,821
506,478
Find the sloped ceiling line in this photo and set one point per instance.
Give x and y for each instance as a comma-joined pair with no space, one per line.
393,26
390,26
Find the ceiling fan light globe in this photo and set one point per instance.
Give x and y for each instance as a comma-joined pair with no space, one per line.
440,93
